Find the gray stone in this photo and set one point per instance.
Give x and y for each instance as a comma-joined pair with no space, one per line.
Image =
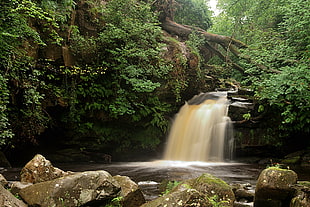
130,192
72,190
40,169
244,194
9,200
16,186
3,181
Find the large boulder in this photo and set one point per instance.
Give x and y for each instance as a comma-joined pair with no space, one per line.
73,190
130,192
205,190
274,187
39,170
9,200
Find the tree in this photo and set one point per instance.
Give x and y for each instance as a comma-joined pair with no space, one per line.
277,33
193,12
229,44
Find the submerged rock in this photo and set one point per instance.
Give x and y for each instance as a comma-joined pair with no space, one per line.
274,187
39,170
204,191
72,190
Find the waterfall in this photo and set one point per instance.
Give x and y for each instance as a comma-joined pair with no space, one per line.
201,131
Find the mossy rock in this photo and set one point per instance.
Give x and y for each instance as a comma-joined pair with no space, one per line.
204,191
212,187
291,160
273,187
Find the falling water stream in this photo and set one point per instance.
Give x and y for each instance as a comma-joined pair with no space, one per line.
202,130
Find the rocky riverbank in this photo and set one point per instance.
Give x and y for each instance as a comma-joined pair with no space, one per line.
42,184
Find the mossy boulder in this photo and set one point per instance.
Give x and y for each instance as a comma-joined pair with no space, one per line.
274,187
73,190
204,191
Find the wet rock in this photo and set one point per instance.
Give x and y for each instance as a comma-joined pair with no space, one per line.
293,158
305,160
302,195
243,192
17,186
3,161
242,204
273,187
39,170
9,200
185,197
73,190
130,192
205,190
3,181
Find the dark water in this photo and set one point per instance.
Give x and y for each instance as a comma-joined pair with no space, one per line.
149,175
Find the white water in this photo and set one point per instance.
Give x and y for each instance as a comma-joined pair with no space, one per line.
199,132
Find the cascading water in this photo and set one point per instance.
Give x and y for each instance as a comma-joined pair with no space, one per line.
202,131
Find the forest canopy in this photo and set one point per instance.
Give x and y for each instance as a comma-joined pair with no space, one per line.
83,66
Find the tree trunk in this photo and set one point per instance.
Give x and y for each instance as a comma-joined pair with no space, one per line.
228,43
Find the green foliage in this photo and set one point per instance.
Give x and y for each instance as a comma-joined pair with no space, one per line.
128,51
115,202
170,185
247,116
60,11
296,27
214,200
277,60
194,13
5,131
21,83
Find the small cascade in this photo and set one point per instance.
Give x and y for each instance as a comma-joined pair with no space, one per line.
202,131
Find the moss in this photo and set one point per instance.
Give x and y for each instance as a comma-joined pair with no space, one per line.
304,183
291,160
208,178
277,168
